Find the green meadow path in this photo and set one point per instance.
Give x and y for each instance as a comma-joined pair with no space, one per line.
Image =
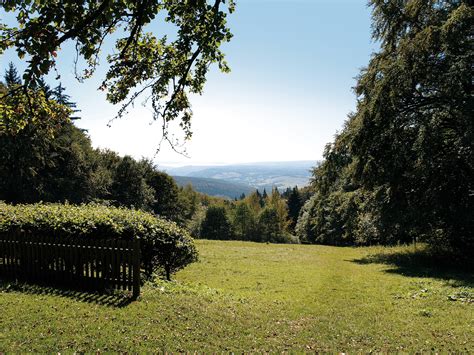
246,296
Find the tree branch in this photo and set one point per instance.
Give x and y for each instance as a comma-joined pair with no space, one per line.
84,23
191,61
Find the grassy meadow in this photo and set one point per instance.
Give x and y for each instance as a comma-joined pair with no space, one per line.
245,296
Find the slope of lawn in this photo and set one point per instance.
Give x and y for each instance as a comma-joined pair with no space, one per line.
248,296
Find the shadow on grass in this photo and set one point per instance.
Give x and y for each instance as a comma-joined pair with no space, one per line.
112,298
423,263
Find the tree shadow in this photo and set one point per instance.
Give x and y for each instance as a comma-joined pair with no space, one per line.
423,263
109,298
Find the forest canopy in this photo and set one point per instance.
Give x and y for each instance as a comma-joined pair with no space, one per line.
402,168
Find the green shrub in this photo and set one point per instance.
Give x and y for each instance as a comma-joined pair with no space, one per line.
165,247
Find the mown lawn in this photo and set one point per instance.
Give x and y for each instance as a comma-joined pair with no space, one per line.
247,296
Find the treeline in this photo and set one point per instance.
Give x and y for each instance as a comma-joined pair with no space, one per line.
402,168
259,217
47,158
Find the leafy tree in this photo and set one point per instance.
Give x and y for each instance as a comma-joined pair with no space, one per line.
165,194
26,144
216,224
306,193
189,201
129,186
269,226
402,167
195,222
105,163
45,157
69,178
306,219
244,222
166,70
254,202
279,205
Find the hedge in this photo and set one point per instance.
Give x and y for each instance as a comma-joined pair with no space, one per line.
165,247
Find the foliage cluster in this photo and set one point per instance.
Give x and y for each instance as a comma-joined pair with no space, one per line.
165,247
257,217
163,70
402,168
50,159
62,166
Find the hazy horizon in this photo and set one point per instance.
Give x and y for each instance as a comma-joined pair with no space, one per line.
177,164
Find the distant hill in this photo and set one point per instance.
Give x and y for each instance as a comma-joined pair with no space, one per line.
252,175
214,187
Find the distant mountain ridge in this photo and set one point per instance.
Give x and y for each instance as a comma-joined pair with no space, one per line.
245,177
214,187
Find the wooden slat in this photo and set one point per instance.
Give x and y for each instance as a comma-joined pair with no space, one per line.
130,263
136,268
115,257
73,260
124,264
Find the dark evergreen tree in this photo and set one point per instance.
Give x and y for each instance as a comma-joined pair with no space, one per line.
216,224
286,193
60,96
294,206
261,200
45,163
11,76
45,88
276,191
268,226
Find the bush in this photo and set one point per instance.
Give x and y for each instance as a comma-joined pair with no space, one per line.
165,247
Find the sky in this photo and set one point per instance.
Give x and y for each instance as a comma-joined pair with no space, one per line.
293,63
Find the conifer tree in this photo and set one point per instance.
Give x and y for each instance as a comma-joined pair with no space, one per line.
11,76
60,96
216,224
43,86
294,206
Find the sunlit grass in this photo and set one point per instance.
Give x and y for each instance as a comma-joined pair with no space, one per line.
248,296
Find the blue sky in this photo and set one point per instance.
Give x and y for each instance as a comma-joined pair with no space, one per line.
293,66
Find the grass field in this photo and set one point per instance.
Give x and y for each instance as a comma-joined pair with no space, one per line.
246,296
